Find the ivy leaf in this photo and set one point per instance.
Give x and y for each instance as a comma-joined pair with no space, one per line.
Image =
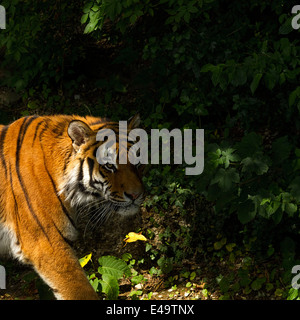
257,283
229,156
269,206
225,178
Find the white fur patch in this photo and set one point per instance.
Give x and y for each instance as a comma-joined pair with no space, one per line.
9,244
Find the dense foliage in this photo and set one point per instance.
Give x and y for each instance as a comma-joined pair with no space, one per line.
230,67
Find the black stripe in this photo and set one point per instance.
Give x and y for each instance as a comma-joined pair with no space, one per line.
67,160
90,146
22,133
80,175
36,130
91,165
43,130
92,182
2,140
62,236
96,122
85,191
55,190
101,174
66,212
16,206
103,121
21,136
95,153
97,182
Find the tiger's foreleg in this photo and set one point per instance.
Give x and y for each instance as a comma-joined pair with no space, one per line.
58,266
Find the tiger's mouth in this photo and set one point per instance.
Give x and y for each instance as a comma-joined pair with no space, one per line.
99,212
126,208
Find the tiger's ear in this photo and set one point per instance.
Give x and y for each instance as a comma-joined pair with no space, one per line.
79,132
134,122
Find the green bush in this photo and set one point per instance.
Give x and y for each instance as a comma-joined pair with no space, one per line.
40,42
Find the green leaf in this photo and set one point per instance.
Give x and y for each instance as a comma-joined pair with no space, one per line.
256,164
229,156
246,211
215,78
293,95
126,256
113,266
250,144
257,283
225,178
208,67
88,7
110,286
281,149
84,18
133,18
286,28
88,28
270,79
290,208
255,82
239,77
166,264
293,294
270,207
94,283
295,188
223,283
219,244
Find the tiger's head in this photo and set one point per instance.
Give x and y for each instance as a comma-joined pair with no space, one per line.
101,189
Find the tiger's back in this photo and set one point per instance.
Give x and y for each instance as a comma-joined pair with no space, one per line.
48,171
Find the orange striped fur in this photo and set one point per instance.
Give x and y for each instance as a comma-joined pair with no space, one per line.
48,175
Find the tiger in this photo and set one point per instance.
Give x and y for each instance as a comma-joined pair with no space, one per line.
48,174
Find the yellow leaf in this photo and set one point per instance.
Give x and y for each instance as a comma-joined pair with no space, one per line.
132,237
83,261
